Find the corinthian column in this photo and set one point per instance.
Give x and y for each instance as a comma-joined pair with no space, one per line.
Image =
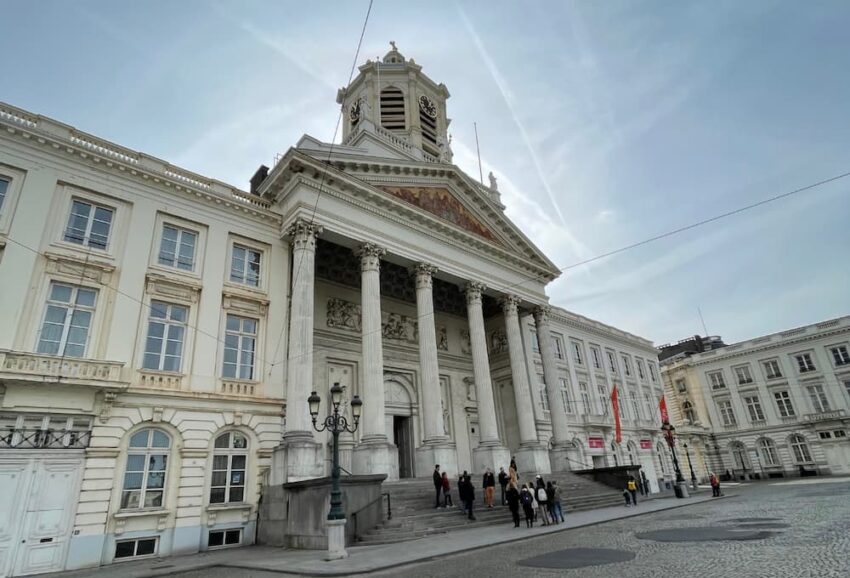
557,416
374,455
300,457
490,452
436,447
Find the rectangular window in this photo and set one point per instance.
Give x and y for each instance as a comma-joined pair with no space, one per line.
818,396
245,266
585,397
597,359
771,369
804,363
640,371
166,334
825,435
847,386
627,365
652,375
4,186
535,344
240,342
89,225
177,248
228,479
612,364
754,408
840,433
577,356
681,386
135,548
635,405
559,350
604,402
67,320
840,355
222,538
783,402
726,412
716,380
544,399
565,396
743,375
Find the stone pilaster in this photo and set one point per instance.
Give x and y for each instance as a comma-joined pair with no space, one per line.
557,416
490,451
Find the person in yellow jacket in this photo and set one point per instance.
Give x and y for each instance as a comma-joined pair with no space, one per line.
631,486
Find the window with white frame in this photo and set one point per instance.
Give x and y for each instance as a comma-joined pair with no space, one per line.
535,344
224,538
820,403
559,348
67,321
767,449
743,375
727,414
825,435
800,449
147,465
240,343
783,403
649,405
641,373
585,397
230,457
544,398
771,369
566,398
715,378
840,356
597,358
166,333
804,362
245,264
136,548
652,375
89,224
840,433
177,248
621,408
627,365
754,408
635,405
604,402
4,186
577,356
612,364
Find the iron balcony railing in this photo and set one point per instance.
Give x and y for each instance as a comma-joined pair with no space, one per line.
48,439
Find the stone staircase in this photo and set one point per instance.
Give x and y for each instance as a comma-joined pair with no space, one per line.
414,515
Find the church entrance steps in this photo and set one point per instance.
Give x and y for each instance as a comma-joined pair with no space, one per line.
414,515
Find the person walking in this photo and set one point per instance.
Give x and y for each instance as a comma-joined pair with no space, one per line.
512,498
542,501
715,485
503,483
627,496
534,504
489,485
438,484
469,497
631,486
527,501
557,508
447,491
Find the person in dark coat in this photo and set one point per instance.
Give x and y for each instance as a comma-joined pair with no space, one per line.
447,491
503,483
542,500
512,498
438,484
527,501
489,485
467,494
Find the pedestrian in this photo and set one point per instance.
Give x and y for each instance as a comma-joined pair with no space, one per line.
513,504
627,496
447,491
715,485
503,483
489,485
438,484
557,508
527,501
542,501
469,497
631,486
513,477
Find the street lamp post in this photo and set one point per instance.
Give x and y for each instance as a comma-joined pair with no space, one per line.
669,434
335,423
691,467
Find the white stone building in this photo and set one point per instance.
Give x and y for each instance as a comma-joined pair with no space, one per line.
773,406
162,331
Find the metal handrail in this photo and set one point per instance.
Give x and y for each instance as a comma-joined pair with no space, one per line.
379,498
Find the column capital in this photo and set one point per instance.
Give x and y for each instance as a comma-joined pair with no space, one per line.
303,233
370,256
474,291
542,313
424,275
509,304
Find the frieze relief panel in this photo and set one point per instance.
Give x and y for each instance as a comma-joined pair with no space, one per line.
395,326
498,342
465,343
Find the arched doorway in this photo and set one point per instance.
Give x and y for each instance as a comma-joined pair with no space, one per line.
400,409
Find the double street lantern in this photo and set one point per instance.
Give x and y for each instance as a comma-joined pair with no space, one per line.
691,467
670,436
335,423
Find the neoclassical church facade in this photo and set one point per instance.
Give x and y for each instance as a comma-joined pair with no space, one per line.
163,330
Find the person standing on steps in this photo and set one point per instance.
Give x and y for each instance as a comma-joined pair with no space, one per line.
527,501
631,486
513,477
513,504
489,485
557,509
542,501
468,494
503,483
438,484
447,491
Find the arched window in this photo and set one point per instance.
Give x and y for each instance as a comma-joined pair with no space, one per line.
392,109
230,456
739,456
147,463
660,453
767,448
688,410
800,447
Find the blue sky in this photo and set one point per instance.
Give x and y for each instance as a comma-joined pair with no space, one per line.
606,123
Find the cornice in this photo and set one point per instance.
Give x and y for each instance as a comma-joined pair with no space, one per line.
606,333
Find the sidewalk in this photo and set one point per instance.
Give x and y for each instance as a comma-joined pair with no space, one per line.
364,559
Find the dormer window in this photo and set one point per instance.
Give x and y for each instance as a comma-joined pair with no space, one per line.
392,109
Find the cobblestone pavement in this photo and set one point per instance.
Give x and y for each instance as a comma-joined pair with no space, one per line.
816,542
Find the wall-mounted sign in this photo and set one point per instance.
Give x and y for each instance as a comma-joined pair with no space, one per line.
646,444
595,443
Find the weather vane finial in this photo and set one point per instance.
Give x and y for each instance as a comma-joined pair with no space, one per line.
392,43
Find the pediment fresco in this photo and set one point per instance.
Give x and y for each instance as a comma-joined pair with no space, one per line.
440,202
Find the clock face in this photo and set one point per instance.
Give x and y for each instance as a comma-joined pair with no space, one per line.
354,111
427,106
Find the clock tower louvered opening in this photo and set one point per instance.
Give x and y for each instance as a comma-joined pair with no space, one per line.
429,132
392,109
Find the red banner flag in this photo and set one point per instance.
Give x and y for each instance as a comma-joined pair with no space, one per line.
662,407
618,430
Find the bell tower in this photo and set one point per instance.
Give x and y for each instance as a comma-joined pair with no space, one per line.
395,101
